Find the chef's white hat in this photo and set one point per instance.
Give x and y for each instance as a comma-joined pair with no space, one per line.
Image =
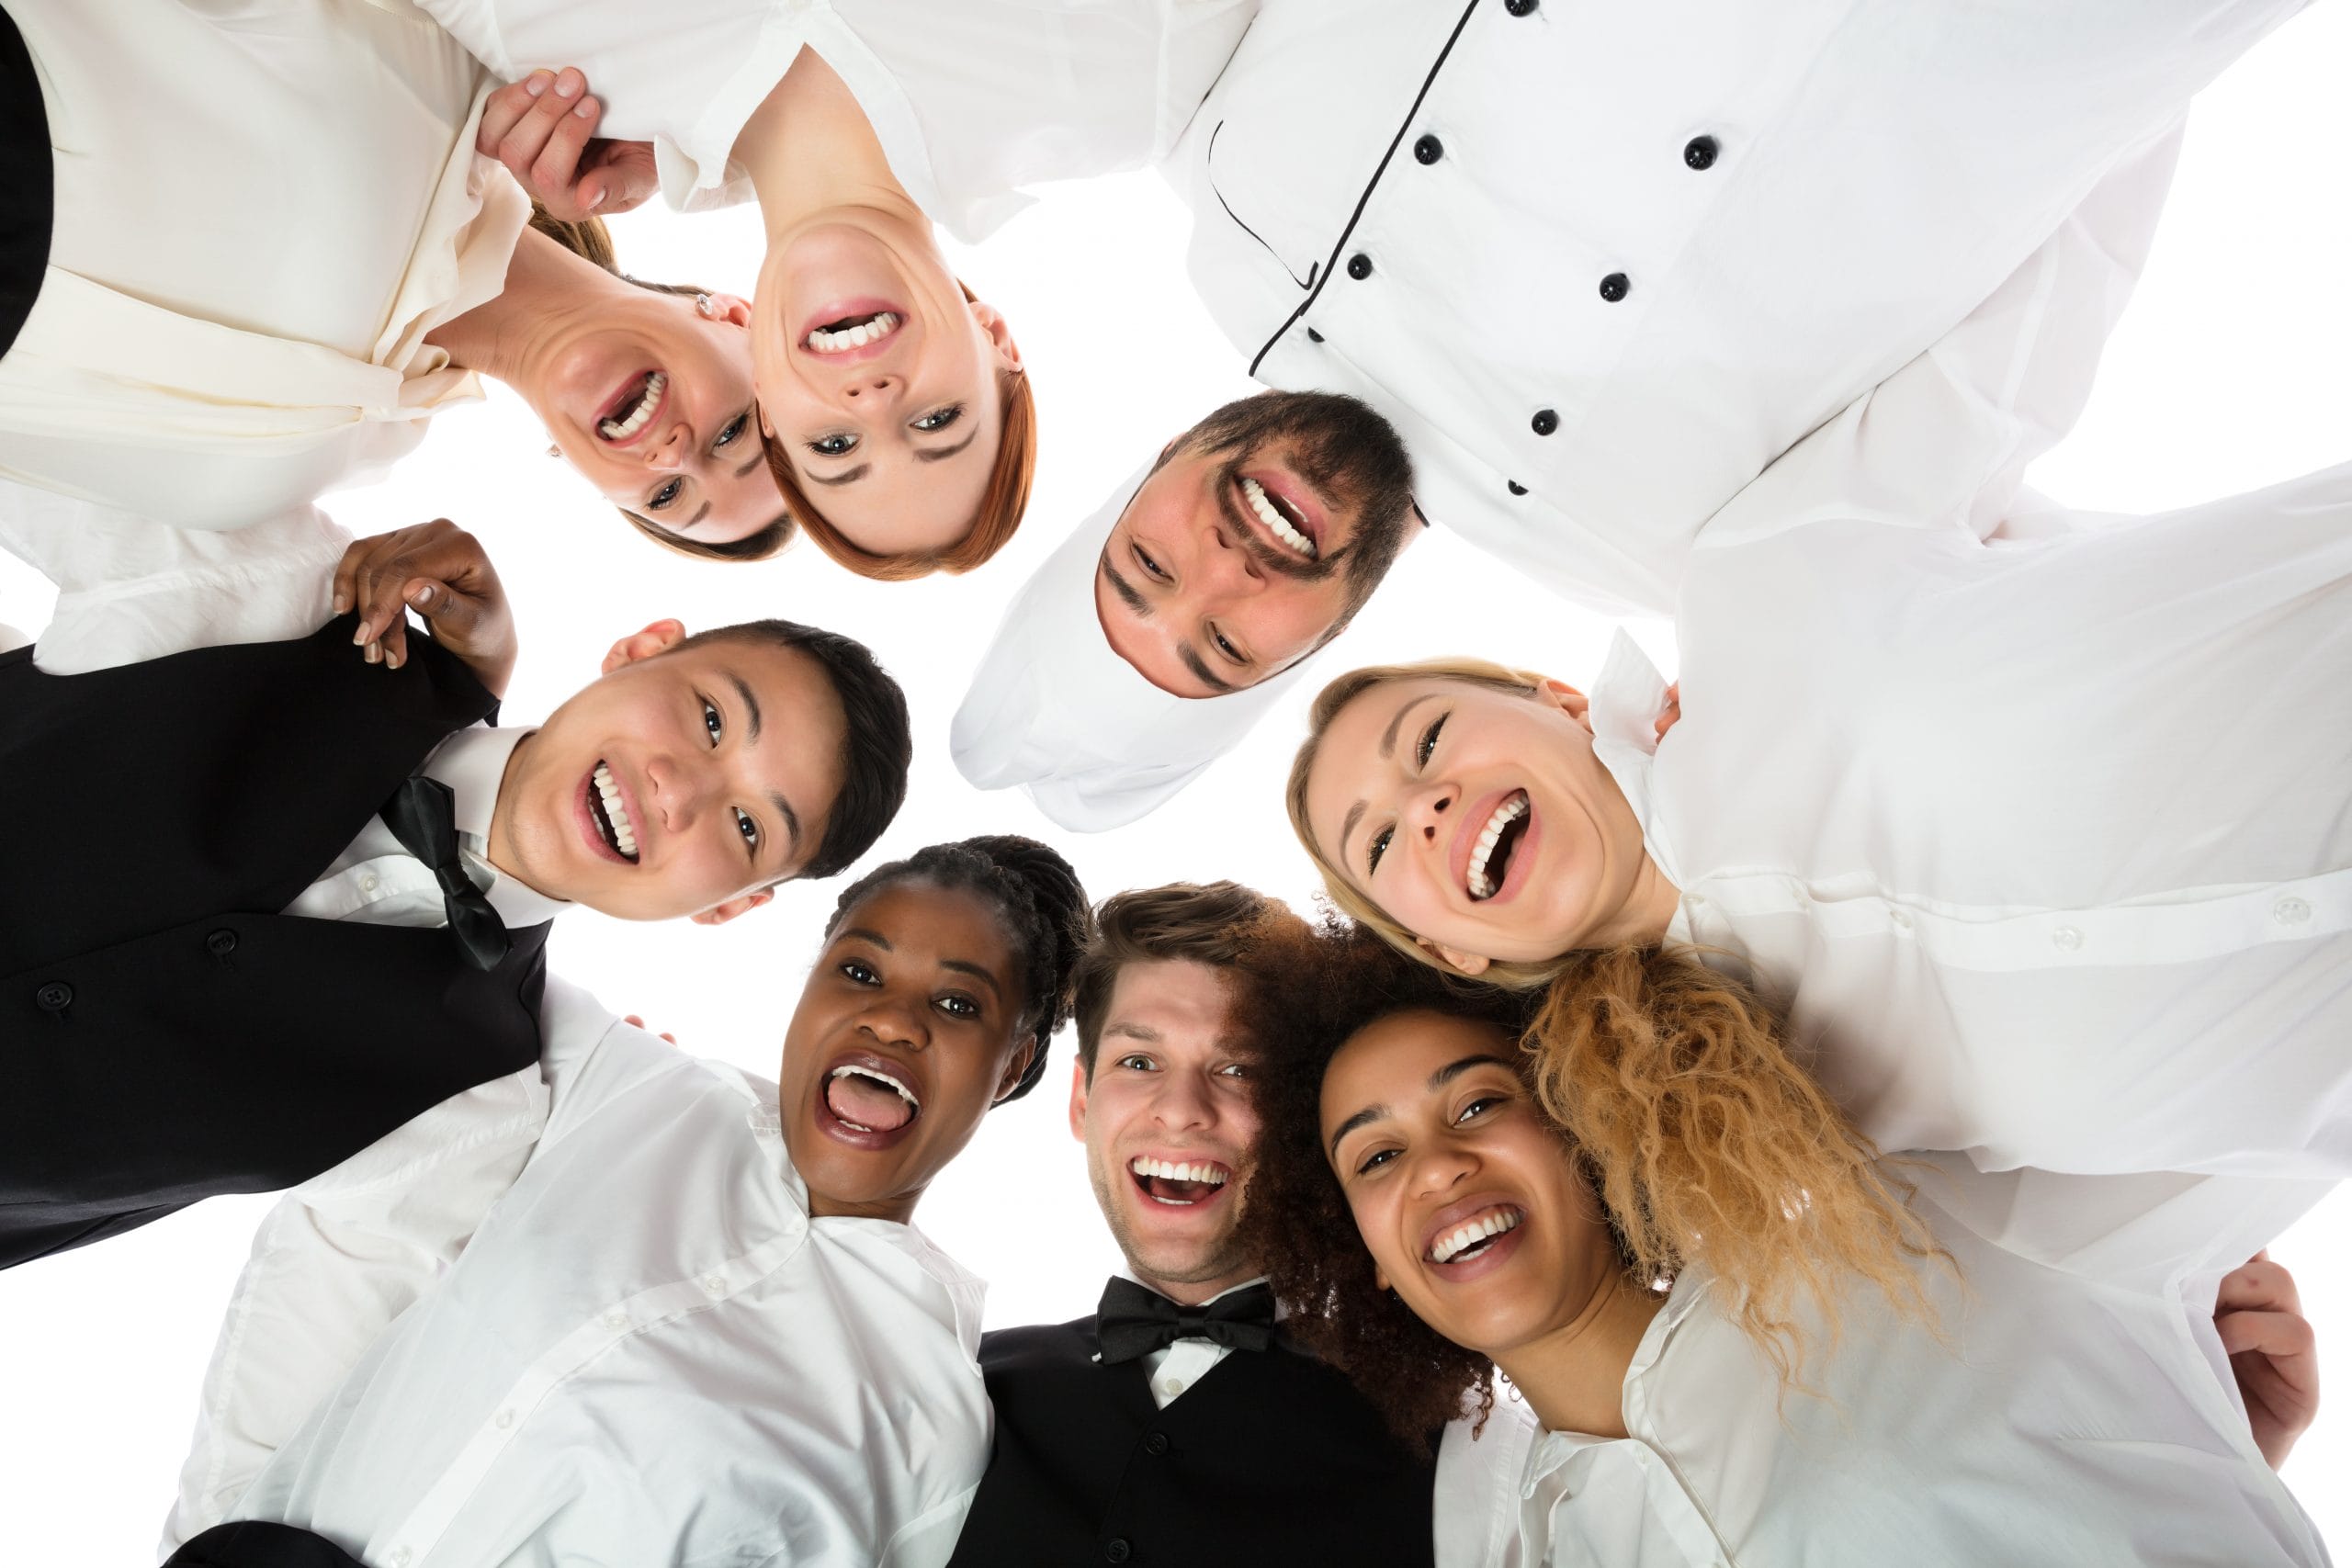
1054,710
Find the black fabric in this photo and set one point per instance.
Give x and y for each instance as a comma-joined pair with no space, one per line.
165,1033
1131,1321
28,184
1271,1459
423,815
254,1544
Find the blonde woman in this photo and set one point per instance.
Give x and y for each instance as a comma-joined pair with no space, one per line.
1745,1346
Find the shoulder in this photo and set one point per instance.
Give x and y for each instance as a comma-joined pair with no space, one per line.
1037,1346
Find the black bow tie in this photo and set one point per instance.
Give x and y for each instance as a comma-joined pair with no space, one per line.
423,815
1133,1322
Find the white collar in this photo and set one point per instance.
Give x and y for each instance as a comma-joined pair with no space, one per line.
472,762
1552,1449
1124,1272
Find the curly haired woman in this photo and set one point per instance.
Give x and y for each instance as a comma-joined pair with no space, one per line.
1749,1341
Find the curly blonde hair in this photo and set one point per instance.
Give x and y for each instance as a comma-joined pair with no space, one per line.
1705,1135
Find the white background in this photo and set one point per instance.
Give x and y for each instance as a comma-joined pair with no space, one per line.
2227,374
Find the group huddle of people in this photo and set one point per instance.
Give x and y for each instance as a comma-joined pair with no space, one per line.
1829,1106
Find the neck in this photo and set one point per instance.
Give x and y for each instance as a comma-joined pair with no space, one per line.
1574,1377
498,844
1192,1292
812,156
898,1209
548,289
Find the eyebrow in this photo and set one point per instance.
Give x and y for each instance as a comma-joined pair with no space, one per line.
1132,1032
1202,673
978,971
941,454
852,476
1127,595
758,457
1437,1080
1387,750
775,796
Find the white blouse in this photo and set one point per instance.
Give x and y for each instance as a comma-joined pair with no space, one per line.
262,208
647,1352
2066,1422
972,99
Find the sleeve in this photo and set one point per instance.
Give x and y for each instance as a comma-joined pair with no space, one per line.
129,590
929,1540
333,1264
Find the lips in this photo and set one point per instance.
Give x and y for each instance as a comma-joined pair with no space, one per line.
868,1101
1291,500
1472,1237
605,812
632,410
850,332
1179,1181
1492,846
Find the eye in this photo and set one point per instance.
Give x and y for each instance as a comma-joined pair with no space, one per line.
1224,646
1135,1062
858,971
716,725
957,1005
939,419
1151,568
734,430
1374,1160
833,446
1483,1103
1233,1070
751,831
663,495
1428,740
1379,847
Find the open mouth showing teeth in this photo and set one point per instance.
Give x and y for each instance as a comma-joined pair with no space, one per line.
1179,1183
1469,1240
851,332
634,413
1490,856
611,812
1277,516
868,1099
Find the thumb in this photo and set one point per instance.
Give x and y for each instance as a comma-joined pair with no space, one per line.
450,613
626,177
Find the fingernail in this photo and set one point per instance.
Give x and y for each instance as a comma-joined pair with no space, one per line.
391,662
596,201
360,636
587,107
569,84
342,603
420,598
536,83
375,652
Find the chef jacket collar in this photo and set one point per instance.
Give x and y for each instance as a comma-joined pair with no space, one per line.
1056,711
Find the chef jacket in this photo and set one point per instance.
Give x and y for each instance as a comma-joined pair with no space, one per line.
2061,1420
261,211
645,1350
971,99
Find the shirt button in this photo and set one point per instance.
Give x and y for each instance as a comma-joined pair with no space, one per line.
1515,487
2066,938
1900,919
220,943
1359,266
617,1320
713,1285
503,1419
1544,422
1700,151
1170,1388
1518,7
55,996
2290,911
1314,336
1427,149
398,1559
1116,1550
1156,1445
1614,287
369,882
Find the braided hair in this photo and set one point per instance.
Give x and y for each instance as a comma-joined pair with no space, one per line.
1045,916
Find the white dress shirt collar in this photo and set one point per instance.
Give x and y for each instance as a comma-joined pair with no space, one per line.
472,762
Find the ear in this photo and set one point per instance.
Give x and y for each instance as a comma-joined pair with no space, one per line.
1471,964
1380,1278
1013,1069
659,637
733,309
1078,1087
719,914
1569,701
1000,333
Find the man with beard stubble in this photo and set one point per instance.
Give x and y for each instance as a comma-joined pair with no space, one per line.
1176,1423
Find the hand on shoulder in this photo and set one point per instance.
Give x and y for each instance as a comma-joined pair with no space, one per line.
443,574
543,128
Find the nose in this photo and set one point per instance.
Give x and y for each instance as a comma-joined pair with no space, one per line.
1223,565
892,1017
1441,1167
682,791
1182,1101
666,450
872,389
1427,811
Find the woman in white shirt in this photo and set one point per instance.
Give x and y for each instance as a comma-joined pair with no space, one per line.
276,256
1745,1349
697,1325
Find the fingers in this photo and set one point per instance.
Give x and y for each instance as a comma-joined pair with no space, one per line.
623,174
538,128
2280,1336
2258,1285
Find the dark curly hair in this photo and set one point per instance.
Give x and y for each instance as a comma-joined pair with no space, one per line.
1045,909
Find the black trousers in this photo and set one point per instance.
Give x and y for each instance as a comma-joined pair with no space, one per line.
28,184
254,1544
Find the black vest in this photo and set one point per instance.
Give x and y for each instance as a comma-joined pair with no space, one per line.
1271,1459
165,1033
28,184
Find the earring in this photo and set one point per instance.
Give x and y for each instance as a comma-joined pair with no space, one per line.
554,450
702,303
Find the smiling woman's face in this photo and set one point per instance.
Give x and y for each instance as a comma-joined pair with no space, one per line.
1467,1198
878,381
652,399
908,1029
1479,820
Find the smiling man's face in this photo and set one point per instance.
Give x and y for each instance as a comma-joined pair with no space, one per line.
1262,531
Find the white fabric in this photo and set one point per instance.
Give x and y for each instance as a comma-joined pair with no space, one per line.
1054,710
646,1352
971,99
233,317
2067,1422
1880,169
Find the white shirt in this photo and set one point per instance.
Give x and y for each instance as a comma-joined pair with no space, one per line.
1872,172
2067,1422
647,1352
971,99
262,208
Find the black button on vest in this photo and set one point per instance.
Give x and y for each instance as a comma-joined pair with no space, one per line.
1516,488
1359,266
1700,151
1544,422
1614,287
1429,150
56,996
220,943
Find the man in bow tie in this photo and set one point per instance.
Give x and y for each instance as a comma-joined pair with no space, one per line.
1177,1423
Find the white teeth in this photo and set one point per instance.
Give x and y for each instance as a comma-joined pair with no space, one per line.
648,401
881,1077
858,336
1168,1170
1492,1223
1509,811
1271,516
615,812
